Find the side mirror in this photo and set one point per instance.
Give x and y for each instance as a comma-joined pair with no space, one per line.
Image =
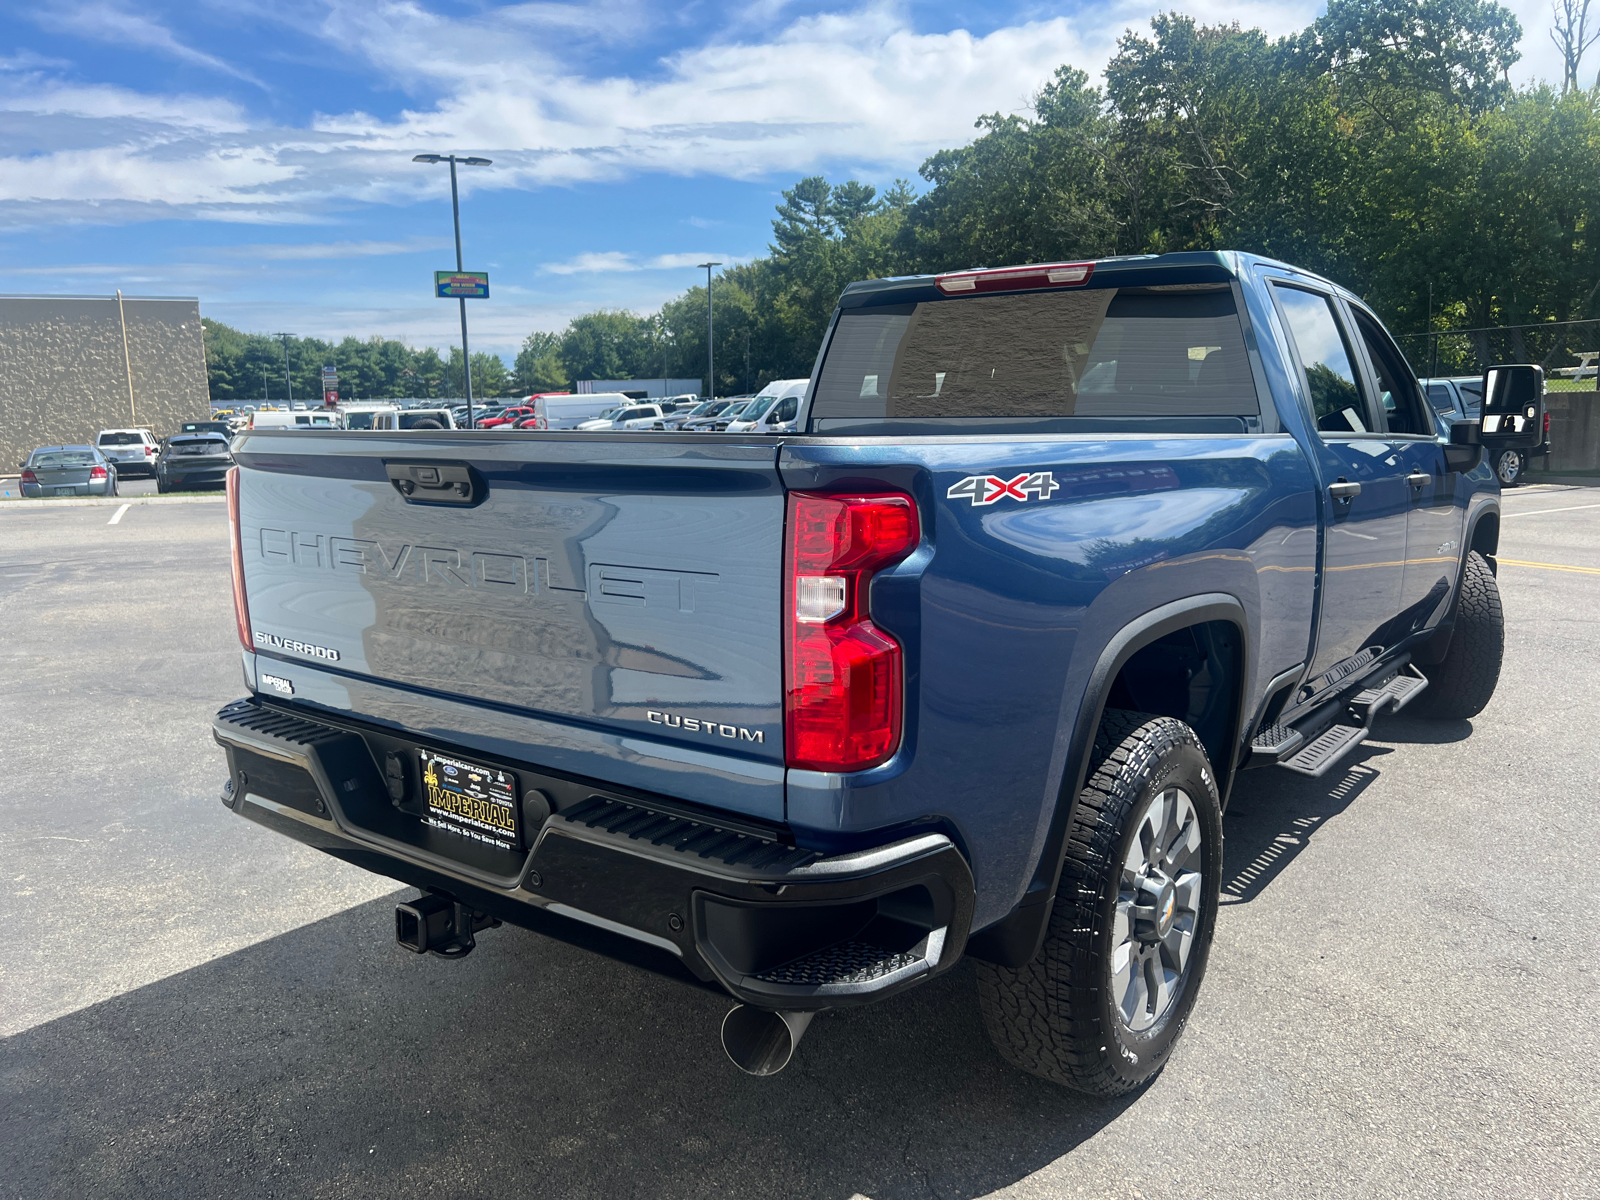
1513,407
1465,450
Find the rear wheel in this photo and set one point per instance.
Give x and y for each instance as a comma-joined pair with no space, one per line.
1103,1003
1463,683
162,486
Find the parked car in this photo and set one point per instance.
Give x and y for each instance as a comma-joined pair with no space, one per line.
68,471
632,417
968,671
415,418
133,450
1460,398
773,410
716,419
360,414
192,461
507,416
279,419
676,420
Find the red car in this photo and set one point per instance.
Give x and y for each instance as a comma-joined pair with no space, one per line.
506,417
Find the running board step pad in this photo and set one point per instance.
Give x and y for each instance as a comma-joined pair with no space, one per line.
1326,749
1391,697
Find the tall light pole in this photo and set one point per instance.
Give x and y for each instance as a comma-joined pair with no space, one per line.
455,210
711,333
287,382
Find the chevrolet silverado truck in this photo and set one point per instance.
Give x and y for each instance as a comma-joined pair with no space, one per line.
964,667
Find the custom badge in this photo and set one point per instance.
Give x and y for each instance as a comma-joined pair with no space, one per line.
991,489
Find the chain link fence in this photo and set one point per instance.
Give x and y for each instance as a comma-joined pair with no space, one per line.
1569,351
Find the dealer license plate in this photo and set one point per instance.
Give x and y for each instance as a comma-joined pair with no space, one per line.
471,800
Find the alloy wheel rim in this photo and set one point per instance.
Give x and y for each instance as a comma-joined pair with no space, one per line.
1157,910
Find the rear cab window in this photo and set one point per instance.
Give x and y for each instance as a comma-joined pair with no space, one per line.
1441,399
120,439
1105,357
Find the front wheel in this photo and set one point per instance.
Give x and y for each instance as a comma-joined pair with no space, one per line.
1103,1003
1509,466
1463,682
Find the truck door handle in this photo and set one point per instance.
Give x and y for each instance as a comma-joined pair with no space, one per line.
1419,480
1344,491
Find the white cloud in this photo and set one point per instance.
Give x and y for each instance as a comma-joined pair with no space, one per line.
616,260
320,251
106,22
588,264
862,89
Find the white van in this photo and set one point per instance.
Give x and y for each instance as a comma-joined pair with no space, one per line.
774,409
309,419
569,412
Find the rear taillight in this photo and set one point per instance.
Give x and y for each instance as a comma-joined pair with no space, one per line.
845,680
96,473
1015,279
241,607
149,449
1546,424
28,476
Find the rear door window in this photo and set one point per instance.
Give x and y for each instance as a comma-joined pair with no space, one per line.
1173,351
1441,399
1403,408
1328,363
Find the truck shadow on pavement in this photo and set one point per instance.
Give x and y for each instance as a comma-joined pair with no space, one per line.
1273,813
326,1061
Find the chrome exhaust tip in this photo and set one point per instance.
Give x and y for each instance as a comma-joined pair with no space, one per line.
761,1042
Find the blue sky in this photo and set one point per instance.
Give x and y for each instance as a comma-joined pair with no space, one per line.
258,154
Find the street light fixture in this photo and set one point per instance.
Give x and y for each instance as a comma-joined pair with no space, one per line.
711,331
455,210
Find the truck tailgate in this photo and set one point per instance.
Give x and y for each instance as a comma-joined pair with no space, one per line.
620,582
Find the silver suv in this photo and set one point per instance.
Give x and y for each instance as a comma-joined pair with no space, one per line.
133,450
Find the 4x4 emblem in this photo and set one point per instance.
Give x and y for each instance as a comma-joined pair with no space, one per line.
988,489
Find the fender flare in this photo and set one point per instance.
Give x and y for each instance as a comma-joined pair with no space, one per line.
1016,939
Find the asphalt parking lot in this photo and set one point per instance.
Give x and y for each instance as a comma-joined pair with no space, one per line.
1402,1000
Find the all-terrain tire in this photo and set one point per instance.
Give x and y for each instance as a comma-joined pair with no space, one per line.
1057,1016
1463,683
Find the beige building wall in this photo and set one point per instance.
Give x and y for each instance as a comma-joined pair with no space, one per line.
63,375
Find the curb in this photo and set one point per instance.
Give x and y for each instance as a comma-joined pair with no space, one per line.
1568,480
107,501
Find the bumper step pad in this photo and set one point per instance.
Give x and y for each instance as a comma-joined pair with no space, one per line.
684,835
848,962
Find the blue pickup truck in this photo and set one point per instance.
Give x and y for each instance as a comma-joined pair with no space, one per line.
965,666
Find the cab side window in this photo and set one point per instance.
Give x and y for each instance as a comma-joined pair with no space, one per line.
1397,387
1330,374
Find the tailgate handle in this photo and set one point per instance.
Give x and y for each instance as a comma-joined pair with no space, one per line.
437,483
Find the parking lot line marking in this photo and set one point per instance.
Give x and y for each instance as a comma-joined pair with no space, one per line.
1512,562
1541,511
117,516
